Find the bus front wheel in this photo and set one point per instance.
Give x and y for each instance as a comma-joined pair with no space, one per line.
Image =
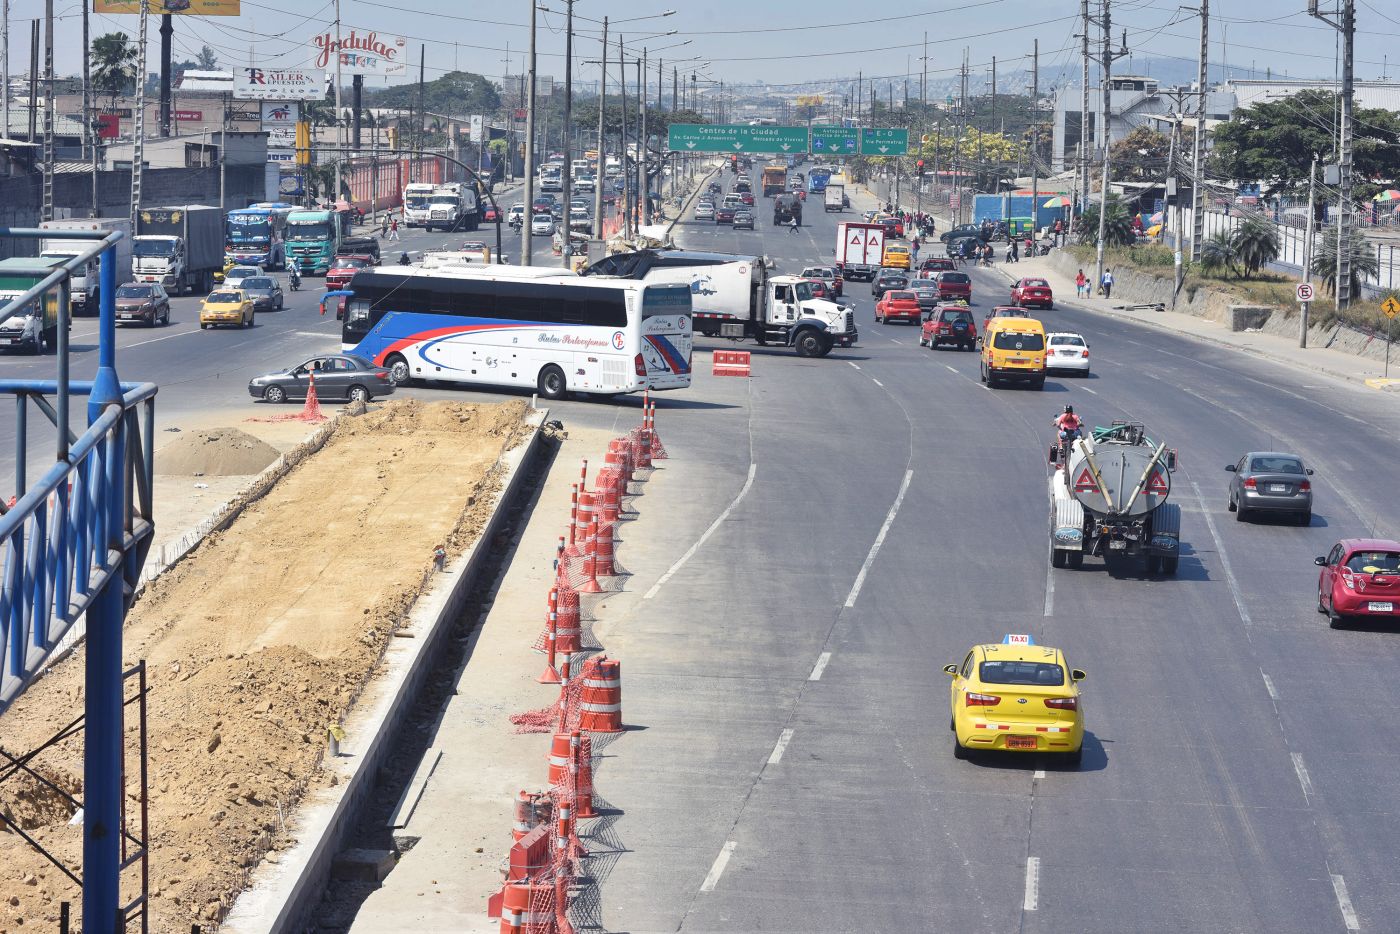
551,383
398,370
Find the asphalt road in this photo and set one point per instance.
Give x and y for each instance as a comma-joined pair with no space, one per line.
792,769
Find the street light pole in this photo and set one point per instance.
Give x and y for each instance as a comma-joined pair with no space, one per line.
642,205
567,251
1108,56
339,125
526,246
598,178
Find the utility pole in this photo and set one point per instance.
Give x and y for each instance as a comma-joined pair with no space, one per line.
33,80
339,125
526,247
357,104
1035,137
1083,198
1108,57
1198,145
1344,21
5,62
623,205
1307,251
167,32
138,144
598,179
642,203
89,127
48,111
994,90
566,252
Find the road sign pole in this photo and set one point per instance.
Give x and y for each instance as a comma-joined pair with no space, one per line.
1389,339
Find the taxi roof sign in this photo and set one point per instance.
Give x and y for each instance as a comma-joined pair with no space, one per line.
1014,638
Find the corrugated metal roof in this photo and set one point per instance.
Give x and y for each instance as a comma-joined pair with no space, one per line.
1384,95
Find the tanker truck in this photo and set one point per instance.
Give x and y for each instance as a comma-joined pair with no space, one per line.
1108,497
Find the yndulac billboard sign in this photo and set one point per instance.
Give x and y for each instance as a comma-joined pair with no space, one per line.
190,7
252,82
361,53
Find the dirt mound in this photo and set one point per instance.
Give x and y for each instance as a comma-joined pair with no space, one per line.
218,452
255,645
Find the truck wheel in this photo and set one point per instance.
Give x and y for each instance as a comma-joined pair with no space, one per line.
1076,560
1154,564
552,384
809,344
1057,558
826,348
1169,563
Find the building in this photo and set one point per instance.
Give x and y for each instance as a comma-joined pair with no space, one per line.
1383,95
194,151
1134,101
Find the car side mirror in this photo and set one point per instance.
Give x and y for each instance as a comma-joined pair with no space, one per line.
1230,467
1171,460
1320,561
1077,674
951,669
1308,471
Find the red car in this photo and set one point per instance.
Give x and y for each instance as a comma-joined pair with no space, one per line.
1360,578
344,269
746,197
894,227
489,215
954,285
822,289
1032,292
897,305
937,264
949,324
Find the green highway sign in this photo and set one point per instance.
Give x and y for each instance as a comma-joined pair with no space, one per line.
884,142
736,138
835,140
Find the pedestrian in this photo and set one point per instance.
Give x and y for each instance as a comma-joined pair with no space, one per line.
384,227
1030,245
1059,231
1081,285
796,222
914,245
394,229
1013,250
1106,283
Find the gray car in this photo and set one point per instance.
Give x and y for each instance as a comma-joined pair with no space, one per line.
264,291
1270,481
887,279
337,376
926,291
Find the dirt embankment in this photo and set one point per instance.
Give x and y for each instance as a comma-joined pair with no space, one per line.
255,644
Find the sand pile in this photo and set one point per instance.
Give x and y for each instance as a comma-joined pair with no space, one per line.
255,644
217,452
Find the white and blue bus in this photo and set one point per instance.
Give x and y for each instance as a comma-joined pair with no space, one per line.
523,326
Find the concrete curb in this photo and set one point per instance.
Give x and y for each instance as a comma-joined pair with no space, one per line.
281,896
699,187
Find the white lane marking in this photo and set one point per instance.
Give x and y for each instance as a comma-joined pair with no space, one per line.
717,869
1032,898
157,340
1224,559
1339,885
819,667
690,552
877,382
879,540
1269,686
1039,773
776,755
854,364
896,340
1302,771
951,369
1089,391
1050,583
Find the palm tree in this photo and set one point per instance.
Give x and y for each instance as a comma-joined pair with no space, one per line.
1118,228
1363,262
113,63
1218,252
1255,245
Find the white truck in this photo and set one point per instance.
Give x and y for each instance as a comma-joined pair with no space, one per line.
85,288
452,207
834,198
416,210
733,296
860,249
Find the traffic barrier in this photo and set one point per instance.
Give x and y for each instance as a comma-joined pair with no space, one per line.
551,635
583,476
531,811
526,907
620,457
658,450
730,363
310,412
582,749
573,551
587,505
600,702
603,565
568,622
561,752
529,856
608,498
590,560
641,443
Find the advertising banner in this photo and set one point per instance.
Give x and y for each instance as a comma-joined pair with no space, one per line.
251,82
188,114
361,53
189,7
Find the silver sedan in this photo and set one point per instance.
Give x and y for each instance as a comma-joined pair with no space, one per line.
1270,481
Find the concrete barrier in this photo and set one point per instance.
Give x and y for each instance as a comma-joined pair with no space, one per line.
281,896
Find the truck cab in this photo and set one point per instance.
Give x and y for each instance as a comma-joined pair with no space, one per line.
35,328
793,316
313,239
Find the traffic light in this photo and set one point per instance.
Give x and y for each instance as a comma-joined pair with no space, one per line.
303,141
920,166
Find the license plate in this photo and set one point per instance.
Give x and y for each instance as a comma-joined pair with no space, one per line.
1381,607
1278,488
1020,742
1118,545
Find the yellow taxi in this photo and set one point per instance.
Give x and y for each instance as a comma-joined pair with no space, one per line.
1016,696
896,256
226,306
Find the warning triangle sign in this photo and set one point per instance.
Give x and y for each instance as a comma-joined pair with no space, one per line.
857,239
1156,484
1084,483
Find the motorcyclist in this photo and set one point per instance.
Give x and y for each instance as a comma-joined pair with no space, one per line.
1068,424
403,259
294,277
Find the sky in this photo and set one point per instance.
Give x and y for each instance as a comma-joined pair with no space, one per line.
780,42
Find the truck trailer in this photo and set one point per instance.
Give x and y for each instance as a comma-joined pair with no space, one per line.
860,249
774,180
85,289
179,247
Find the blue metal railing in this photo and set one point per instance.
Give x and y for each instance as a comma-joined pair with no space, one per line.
73,547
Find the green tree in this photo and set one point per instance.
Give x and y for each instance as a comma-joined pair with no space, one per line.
1218,253
1363,261
1141,155
1274,142
1256,244
207,60
455,94
113,64
1118,228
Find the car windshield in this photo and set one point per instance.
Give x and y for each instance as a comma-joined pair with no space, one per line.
1289,465
134,291
1375,562
923,284
1034,284
1070,339
257,283
224,297
903,296
238,272
951,317
346,262
1042,673
1015,340
543,219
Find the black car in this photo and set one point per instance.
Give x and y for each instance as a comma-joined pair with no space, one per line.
337,376
961,231
887,279
724,214
743,218
264,291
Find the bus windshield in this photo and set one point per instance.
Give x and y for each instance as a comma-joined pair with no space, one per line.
416,201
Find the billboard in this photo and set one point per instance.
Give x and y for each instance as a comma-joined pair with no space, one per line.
367,53
251,82
191,7
279,119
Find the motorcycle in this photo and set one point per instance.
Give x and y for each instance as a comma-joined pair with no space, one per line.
294,279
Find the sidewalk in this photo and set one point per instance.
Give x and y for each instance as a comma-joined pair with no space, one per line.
1279,349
